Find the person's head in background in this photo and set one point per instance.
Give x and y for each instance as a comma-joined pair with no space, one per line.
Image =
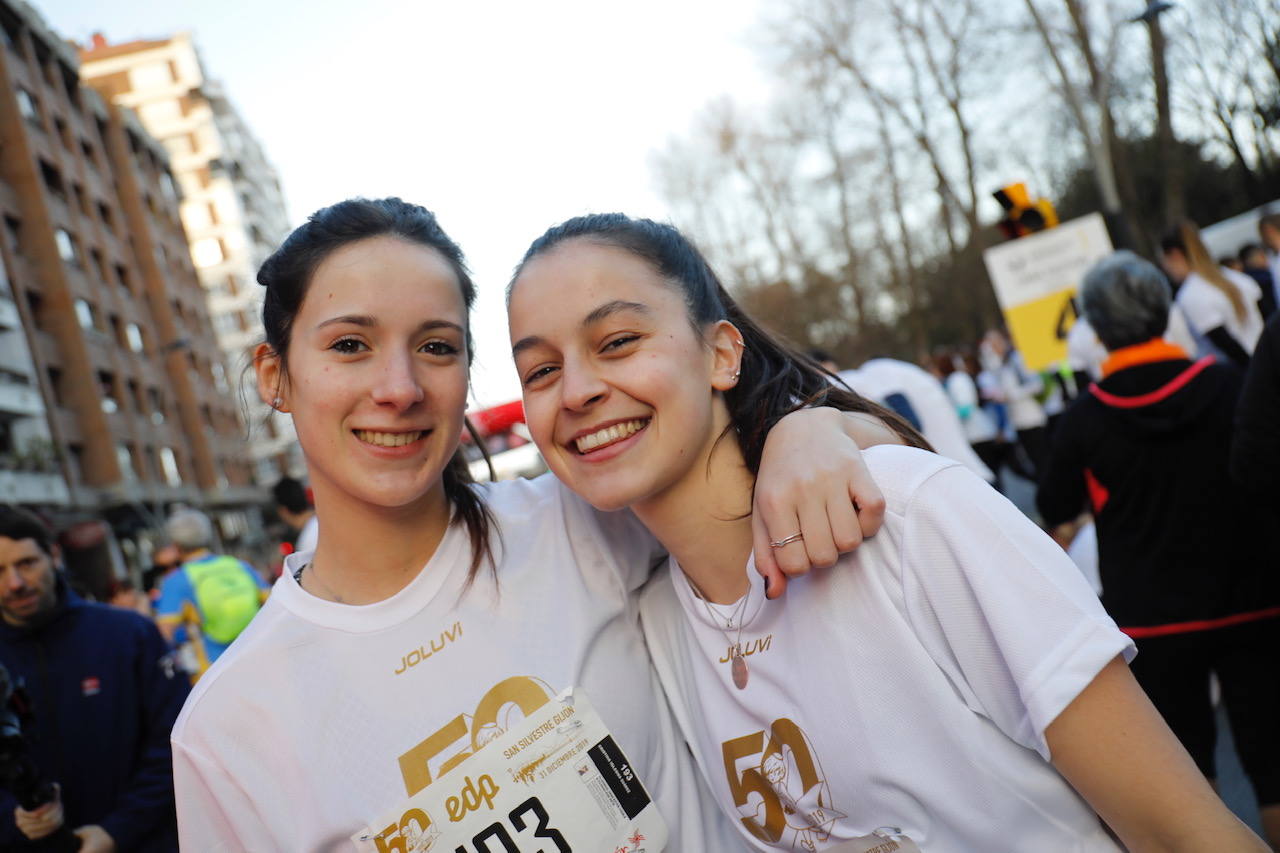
292,505
1231,262
1269,231
1253,257
823,359
191,531
28,577
1126,300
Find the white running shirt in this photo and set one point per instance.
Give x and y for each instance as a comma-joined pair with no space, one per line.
879,378
909,686
322,716
1207,308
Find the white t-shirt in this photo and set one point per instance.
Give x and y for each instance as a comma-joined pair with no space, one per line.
322,716
909,686
880,378
1207,308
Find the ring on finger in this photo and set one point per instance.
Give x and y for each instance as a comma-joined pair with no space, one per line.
780,543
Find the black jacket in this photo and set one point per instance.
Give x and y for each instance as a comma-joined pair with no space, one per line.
105,695
1255,453
1177,540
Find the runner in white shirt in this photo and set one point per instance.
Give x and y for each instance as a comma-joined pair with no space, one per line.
434,615
887,380
961,687
1221,305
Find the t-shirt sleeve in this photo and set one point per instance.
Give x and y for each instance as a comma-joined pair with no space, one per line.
1000,607
174,592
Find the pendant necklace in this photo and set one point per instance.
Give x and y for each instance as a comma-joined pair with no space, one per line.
738,664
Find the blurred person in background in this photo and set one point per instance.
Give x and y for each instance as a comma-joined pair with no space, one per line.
104,694
920,399
1269,234
1255,264
980,428
293,506
1221,305
1019,389
211,597
1185,564
1255,452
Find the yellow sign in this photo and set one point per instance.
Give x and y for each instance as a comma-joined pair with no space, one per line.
1035,277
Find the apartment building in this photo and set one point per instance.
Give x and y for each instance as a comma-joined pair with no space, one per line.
232,206
111,380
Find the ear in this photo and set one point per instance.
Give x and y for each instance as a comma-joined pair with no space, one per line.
271,377
726,349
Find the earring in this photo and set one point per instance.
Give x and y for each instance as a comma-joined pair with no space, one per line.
736,374
275,404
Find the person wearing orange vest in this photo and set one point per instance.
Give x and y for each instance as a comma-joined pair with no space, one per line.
211,598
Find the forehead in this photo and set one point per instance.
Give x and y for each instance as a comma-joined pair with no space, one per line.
576,276
382,272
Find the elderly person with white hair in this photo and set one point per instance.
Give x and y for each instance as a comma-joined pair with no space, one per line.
213,596
1182,554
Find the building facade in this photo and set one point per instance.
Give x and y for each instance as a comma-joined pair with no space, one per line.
111,389
232,206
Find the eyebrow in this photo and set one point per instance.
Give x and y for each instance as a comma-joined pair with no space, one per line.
600,313
366,321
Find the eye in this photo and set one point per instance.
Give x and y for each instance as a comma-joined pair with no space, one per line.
537,374
348,346
439,348
619,343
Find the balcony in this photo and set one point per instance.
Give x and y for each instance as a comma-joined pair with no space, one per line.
20,400
31,487
9,319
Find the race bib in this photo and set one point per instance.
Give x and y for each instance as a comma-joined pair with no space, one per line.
556,783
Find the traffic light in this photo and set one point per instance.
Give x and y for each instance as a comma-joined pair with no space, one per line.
1022,216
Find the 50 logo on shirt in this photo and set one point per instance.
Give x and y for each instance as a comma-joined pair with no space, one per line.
793,805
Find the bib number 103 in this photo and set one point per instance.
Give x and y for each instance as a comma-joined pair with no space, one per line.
494,838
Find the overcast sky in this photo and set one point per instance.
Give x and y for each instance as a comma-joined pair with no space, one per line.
504,117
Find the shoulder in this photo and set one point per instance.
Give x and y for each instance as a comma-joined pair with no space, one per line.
901,472
1244,282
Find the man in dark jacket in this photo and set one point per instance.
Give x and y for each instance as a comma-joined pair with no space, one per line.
1182,552
104,694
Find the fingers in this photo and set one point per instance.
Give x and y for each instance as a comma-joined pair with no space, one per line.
775,582
817,548
846,529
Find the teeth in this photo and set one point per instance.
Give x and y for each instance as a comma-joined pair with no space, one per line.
608,435
388,439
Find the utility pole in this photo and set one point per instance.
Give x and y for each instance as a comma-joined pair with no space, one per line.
1171,167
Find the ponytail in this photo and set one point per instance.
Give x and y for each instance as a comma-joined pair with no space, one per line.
1186,239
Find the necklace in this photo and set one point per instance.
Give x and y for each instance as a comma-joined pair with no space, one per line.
737,664
315,577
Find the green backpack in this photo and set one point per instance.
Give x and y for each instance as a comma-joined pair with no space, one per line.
226,595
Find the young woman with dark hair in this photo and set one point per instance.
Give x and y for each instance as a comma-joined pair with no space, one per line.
1221,305
434,614
957,684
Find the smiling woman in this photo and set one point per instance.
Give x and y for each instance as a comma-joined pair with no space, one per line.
435,615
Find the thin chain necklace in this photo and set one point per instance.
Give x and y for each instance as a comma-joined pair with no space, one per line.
738,664
331,594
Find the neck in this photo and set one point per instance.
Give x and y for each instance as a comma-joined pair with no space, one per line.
704,520
369,553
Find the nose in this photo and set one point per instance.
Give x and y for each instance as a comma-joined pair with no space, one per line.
12,579
581,386
397,383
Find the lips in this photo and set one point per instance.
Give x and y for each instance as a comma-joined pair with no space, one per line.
608,435
389,439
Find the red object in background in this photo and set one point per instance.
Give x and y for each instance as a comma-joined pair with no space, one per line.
496,419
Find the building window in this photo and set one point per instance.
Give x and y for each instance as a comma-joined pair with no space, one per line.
55,385
52,180
35,306
68,249
82,200
124,458
27,106
122,276
157,405
104,216
13,233
107,390
86,314
99,265
86,148
207,252
133,338
169,465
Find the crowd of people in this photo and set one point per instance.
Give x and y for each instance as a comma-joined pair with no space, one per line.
695,562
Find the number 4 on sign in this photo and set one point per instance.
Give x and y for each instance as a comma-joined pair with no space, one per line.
1070,313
